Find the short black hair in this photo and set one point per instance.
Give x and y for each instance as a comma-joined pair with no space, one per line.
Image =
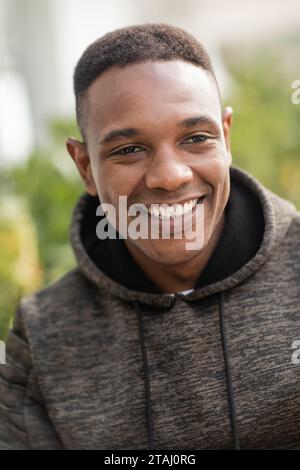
134,44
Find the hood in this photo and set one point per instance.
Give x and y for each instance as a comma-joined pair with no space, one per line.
256,220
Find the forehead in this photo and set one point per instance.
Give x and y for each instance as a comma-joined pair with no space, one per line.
152,91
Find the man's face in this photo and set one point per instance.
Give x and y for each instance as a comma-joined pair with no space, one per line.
169,158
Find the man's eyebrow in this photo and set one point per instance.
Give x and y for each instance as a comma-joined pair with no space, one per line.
134,131
117,133
195,120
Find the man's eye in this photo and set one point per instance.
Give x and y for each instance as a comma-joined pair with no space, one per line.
197,138
127,150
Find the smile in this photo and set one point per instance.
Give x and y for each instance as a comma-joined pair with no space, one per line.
166,211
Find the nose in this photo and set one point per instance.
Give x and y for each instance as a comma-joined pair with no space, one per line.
167,171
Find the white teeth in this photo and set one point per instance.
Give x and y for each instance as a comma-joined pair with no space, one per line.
179,210
188,206
155,211
172,211
176,210
162,212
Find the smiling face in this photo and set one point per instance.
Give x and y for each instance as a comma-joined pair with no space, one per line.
156,134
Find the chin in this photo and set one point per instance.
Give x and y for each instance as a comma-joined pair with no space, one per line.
169,251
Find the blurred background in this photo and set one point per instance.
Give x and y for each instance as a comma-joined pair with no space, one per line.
255,49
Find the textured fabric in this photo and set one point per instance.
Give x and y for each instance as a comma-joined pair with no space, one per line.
75,373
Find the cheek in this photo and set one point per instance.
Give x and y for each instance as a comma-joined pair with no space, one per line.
213,170
221,185
114,180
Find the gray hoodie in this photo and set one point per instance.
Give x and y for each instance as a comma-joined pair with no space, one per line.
101,359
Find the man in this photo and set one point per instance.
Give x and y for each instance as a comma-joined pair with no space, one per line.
148,344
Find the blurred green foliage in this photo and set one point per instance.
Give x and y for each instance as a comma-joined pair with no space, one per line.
266,124
41,194
265,141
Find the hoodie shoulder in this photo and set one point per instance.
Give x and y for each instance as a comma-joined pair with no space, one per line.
282,205
64,299
287,222
293,234
285,215
61,289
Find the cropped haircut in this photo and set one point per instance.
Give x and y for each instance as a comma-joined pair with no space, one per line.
131,45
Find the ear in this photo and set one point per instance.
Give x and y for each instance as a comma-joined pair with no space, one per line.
78,152
227,118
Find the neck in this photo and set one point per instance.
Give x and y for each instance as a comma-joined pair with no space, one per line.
172,278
